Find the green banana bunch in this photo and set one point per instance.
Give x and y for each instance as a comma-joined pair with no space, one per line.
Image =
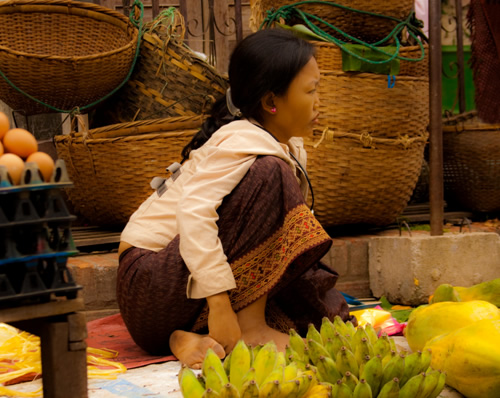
338,361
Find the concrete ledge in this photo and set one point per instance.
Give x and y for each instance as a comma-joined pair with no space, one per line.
408,269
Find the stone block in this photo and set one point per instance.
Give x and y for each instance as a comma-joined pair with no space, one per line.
96,273
407,270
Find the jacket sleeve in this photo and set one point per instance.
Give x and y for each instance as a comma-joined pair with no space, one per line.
217,174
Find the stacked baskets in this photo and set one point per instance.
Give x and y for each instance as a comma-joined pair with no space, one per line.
471,162
112,166
365,158
62,53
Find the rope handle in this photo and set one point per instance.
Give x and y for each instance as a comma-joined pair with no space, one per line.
411,24
136,21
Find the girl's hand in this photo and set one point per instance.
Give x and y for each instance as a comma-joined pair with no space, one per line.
223,324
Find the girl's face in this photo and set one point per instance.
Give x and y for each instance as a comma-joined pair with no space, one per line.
297,110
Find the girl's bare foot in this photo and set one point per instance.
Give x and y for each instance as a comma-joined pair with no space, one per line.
264,334
190,348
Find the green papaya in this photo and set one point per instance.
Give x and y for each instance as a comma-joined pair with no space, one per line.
486,291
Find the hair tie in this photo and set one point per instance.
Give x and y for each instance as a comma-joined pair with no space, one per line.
233,110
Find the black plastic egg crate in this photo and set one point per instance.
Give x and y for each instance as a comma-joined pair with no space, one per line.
35,237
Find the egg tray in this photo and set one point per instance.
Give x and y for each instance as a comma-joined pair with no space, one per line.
35,236
36,279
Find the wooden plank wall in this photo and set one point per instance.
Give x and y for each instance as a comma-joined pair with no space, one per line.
197,23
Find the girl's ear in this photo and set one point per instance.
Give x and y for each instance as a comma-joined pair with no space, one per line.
267,103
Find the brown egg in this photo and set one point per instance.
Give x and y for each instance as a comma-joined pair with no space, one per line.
45,164
14,165
4,124
1,148
20,142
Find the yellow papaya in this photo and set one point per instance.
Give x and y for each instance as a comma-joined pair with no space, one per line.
486,291
431,320
470,356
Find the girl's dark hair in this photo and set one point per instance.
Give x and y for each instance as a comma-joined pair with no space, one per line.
265,61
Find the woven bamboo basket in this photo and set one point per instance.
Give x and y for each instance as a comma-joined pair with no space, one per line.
471,165
64,53
362,26
363,103
169,80
360,181
112,166
329,57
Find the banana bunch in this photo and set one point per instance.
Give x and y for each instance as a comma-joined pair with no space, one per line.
357,363
250,372
338,361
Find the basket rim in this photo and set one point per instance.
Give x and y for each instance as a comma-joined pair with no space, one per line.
91,11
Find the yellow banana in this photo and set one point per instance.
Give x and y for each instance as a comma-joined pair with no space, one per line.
250,389
431,379
320,390
316,350
211,359
362,350
241,358
362,390
412,387
306,382
276,374
289,389
226,363
394,368
271,389
351,380
209,393
327,370
390,389
326,330
265,361
313,333
371,332
412,366
189,383
439,386
255,350
249,375
297,344
280,359
346,361
229,391
291,371
213,380
373,373
343,390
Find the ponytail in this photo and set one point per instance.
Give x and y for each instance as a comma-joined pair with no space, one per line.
219,116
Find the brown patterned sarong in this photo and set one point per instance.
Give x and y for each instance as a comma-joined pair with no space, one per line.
274,245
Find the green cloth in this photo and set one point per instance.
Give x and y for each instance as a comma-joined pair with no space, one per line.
353,63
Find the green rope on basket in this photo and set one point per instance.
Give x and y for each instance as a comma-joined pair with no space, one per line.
138,24
287,12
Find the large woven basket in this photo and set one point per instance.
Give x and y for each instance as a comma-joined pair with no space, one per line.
63,53
169,80
329,57
471,165
364,103
360,25
112,166
360,182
